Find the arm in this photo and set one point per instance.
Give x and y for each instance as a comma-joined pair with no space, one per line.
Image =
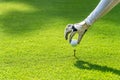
102,8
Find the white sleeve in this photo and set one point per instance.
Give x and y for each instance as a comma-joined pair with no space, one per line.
102,8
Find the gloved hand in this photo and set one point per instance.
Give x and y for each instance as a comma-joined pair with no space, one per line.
72,29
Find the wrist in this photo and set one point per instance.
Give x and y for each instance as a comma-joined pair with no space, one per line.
82,25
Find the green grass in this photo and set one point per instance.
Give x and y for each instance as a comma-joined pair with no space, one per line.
32,46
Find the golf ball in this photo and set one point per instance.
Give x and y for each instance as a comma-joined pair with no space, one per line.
74,42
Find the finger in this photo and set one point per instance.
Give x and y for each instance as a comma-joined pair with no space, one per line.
71,36
66,34
80,36
68,29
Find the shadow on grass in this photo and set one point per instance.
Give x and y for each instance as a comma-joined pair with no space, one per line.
17,22
47,11
89,66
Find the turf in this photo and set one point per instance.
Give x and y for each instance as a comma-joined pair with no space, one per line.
32,44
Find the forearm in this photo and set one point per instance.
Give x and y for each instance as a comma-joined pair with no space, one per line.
102,8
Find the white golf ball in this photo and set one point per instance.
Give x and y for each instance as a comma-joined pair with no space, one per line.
74,42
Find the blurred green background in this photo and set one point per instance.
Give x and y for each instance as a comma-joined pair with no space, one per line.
32,44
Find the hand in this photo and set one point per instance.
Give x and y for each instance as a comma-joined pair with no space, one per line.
72,29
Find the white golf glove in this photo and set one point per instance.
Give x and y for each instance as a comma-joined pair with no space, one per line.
72,29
